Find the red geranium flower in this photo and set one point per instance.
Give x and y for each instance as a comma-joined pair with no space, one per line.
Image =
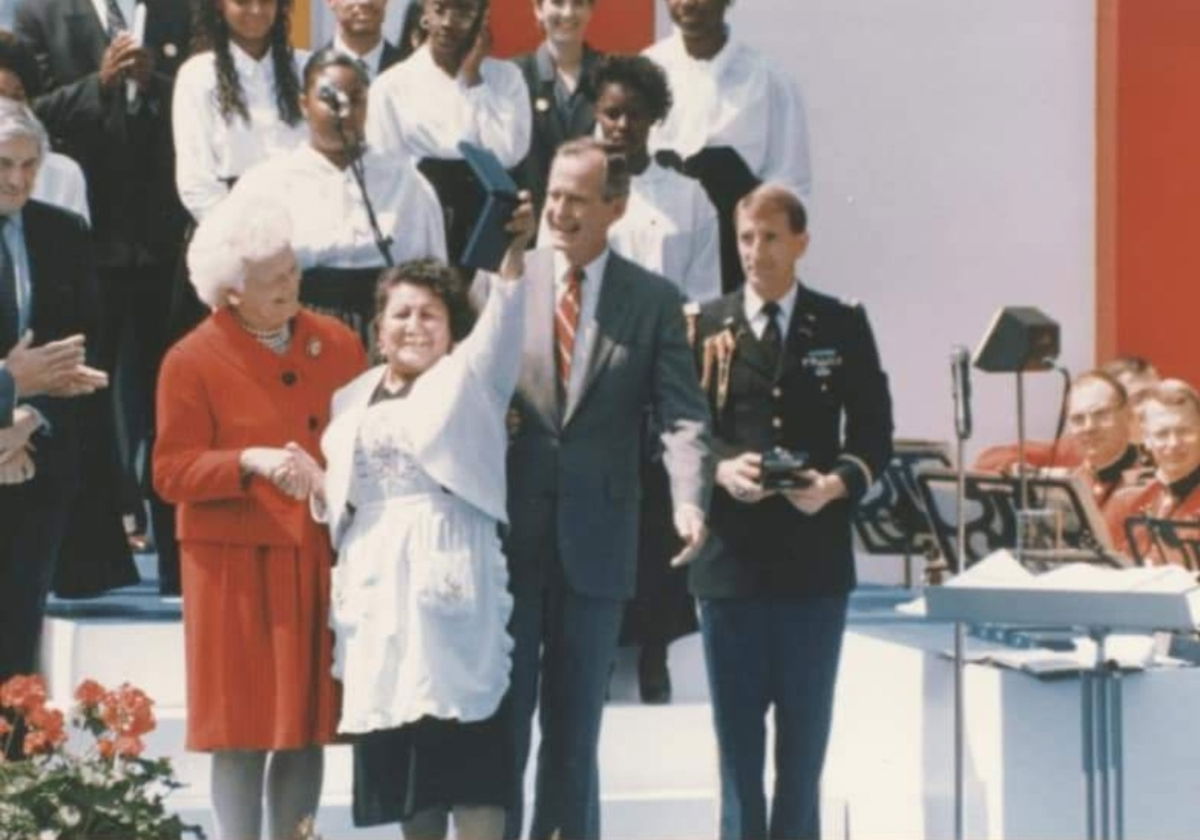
23,693
127,711
89,693
105,747
128,746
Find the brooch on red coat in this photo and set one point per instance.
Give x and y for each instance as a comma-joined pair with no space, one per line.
313,348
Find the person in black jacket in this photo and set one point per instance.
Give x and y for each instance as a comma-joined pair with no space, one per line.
47,308
359,34
106,102
559,76
786,369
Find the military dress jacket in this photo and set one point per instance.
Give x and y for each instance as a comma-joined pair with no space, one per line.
826,396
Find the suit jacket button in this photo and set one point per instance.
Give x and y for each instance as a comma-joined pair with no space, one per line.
288,378
313,422
776,392
777,422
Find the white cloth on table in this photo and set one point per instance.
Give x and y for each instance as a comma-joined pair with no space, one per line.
330,226
416,107
60,182
737,99
420,601
209,151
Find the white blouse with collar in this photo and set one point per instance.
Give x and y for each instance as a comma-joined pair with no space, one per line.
210,150
330,226
416,107
737,99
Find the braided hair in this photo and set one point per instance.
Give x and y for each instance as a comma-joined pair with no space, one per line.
212,33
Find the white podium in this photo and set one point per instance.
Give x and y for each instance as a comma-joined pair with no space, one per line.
1098,613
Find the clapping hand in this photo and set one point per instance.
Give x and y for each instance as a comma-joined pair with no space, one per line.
56,368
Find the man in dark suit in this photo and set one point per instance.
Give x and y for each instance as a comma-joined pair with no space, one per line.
48,294
604,341
106,102
359,34
784,366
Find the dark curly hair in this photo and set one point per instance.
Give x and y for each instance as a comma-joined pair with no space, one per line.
444,282
212,33
639,74
16,58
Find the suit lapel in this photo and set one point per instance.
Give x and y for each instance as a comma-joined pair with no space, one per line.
42,277
539,381
85,10
613,311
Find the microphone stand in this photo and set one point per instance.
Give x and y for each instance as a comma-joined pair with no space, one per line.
962,431
356,149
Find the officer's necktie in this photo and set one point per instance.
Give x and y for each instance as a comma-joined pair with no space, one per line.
116,19
566,321
9,313
772,336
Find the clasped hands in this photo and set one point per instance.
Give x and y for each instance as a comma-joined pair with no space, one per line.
292,470
16,448
741,477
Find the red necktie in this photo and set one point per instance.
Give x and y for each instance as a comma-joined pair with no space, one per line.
566,321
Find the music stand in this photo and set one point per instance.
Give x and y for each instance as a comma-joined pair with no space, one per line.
992,503
1156,542
890,519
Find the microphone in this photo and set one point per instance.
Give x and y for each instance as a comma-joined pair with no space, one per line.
338,102
960,376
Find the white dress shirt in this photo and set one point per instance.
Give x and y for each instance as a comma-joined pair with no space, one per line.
60,182
735,99
210,150
585,330
330,226
416,107
370,58
752,306
670,227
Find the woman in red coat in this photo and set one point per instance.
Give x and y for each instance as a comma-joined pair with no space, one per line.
242,400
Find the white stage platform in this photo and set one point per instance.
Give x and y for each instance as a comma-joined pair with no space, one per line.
889,770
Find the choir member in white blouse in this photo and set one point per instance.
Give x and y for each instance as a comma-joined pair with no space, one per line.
669,225
340,240
316,181
237,102
728,96
448,91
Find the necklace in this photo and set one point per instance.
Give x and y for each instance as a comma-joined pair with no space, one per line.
276,340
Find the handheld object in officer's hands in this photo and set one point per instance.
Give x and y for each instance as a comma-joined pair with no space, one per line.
784,469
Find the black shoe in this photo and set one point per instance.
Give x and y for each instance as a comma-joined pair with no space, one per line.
654,680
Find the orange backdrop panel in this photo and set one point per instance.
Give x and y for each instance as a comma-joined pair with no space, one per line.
1148,225
617,26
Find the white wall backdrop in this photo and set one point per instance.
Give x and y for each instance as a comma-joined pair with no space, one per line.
953,153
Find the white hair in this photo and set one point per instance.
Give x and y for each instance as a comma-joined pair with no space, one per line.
17,122
233,233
